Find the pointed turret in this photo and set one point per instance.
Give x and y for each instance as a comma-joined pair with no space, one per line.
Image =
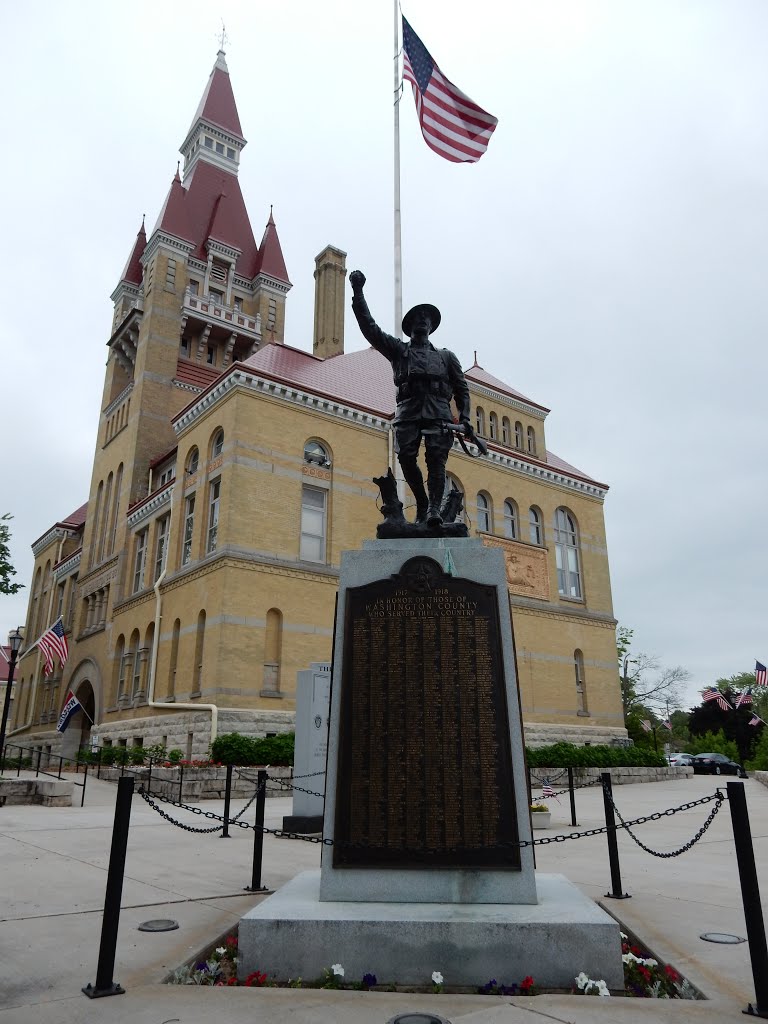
132,270
215,134
271,262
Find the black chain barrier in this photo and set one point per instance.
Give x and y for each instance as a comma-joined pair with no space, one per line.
286,785
718,797
242,811
521,844
548,778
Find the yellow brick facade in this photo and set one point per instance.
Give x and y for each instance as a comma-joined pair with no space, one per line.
232,620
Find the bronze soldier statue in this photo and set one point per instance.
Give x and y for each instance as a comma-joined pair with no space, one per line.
427,379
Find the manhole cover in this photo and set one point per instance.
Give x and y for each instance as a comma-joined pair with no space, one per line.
417,1018
723,937
159,924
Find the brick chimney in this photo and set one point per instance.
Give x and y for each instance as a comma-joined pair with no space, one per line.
330,274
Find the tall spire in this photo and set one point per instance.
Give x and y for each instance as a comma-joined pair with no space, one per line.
132,270
215,134
271,261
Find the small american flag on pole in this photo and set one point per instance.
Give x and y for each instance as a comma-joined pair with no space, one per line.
548,792
754,720
745,697
53,642
451,123
667,724
712,693
760,674
646,725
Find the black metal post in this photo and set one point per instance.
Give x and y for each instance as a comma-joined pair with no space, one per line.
61,762
750,895
258,835
85,779
39,759
98,763
18,763
227,796
613,846
7,701
105,985
572,796
149,779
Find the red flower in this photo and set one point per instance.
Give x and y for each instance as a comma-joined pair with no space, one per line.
671,973
255,979
643,971
526,983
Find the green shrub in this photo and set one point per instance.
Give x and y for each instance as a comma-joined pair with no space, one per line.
175,755
108,755
137,755
156,751
233,748
567,755
713,743
122,756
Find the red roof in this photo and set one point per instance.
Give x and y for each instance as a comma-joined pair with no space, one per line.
210,205
481,376
132,271
77,518
270,253
218,101
199,375
164,456
362,379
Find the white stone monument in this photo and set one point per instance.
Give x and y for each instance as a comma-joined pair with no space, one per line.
313,705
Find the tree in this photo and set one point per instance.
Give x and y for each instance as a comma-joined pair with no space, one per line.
650,684
709,717
6,569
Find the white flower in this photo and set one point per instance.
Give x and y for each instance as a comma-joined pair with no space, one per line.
602,989
338,970
623,936
650,962
581,980
221,950
629,958
437,977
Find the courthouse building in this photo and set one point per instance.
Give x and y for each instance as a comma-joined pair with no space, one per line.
231,470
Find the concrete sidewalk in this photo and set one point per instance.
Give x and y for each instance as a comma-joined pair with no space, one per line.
55,860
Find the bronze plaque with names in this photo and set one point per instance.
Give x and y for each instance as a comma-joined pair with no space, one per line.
425,765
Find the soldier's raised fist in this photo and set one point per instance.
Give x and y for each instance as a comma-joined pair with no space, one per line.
357,280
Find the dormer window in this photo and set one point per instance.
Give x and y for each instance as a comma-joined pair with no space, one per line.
219,147
230,153
208,142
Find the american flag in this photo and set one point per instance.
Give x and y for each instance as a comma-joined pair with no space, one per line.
646,725
53,641
754,720
451,123
745,697
712,693
760,674
548,792
667,724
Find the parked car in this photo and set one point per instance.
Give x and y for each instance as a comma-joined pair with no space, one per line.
680,760
716,764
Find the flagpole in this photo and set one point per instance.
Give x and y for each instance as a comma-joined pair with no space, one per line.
34,645
398,244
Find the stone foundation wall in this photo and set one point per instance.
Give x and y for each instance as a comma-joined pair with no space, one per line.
194,784
762,777
619,776
543,734
48,792
187,731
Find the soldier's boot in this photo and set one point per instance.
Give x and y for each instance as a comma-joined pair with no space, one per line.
415,480
436,485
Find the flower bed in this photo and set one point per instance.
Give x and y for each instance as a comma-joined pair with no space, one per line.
644,977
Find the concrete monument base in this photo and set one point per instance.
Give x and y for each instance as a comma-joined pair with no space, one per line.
293,934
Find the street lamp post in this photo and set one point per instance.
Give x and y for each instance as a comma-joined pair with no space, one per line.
14,639
625,679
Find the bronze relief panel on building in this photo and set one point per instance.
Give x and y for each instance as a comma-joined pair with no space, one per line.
526,565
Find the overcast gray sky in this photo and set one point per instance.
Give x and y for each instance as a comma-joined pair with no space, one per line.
607,256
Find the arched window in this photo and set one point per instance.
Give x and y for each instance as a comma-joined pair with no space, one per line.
519,435
174,660
217,444
531,441
193,461
115,506
96,517
273,645
316,454
117,670
581,686
567,554
314,524
480,421
197,666
214,502
493,426
534,525
505,430
452,481
511,520
484,513
104,519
